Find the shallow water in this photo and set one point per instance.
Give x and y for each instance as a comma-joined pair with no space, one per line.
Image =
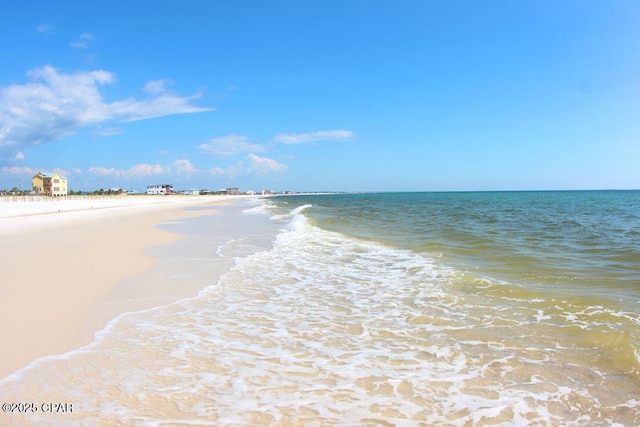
400,309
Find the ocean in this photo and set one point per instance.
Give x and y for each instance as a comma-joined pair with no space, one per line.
410,309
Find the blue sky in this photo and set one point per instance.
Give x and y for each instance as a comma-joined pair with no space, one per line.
322,95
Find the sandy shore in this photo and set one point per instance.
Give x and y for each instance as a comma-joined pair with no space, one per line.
61,259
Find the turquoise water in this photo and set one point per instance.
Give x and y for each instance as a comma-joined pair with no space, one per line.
412,309
587,242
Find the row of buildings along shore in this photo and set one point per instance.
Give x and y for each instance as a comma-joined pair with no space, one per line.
165,189
56,185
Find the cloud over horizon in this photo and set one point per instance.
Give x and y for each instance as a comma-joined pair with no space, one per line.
251,164
54,105
178,167
138,170
28,172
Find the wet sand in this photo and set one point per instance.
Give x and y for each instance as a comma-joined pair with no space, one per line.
63,263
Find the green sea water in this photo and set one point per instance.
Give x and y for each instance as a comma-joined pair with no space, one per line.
579,242
558,272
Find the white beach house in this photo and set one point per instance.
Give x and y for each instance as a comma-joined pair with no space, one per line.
160,189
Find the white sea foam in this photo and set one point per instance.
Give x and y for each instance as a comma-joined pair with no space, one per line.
321,329
259,206
293,214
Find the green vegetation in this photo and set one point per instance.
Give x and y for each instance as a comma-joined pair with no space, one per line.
101,192
15,191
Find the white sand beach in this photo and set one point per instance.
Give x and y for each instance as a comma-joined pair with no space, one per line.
62,258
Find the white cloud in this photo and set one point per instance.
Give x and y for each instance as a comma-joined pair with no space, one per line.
183,167
98,170
54,105
230,145
216,171
138,170
131,110
27,170
18,170
60,171
264,165
18,156
157,87
322,135
178,167
250,165
110,131
83,42
146,170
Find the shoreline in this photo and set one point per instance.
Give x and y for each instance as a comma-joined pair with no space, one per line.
61,268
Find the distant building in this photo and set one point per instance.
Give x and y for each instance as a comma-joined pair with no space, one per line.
227,192
49,185
163,189
190,192
266,192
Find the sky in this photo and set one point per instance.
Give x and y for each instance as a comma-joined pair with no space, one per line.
347,95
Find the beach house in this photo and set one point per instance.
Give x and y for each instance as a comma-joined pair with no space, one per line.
49,184
160,189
